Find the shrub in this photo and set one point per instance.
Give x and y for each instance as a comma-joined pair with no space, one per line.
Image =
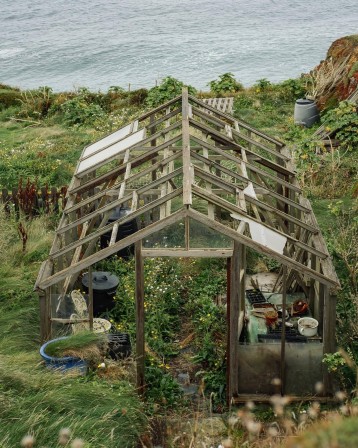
344,121
36,103
169,88
225,84
81,110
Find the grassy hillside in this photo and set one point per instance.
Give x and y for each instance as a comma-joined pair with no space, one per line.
41,137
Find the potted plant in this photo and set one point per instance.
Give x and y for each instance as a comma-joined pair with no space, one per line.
75,352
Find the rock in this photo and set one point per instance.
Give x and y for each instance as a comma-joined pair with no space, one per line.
336,77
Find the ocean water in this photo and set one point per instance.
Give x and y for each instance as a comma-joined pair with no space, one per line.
99,43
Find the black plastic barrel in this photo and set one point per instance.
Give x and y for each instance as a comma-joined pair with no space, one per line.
306,112
104,286
124,230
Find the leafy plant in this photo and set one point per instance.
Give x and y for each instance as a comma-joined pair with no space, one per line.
81,111
169,88
343,120
36,103
225,84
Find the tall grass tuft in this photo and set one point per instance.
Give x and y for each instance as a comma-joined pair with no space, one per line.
38,402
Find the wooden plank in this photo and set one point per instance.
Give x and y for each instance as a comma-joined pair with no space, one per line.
183,253
233,308
90,298
150,153
221,228
234,208
160,108
104,253
187,199
242,123
97,233
226,155
132,148
221,138
117,202
131,178
319,242
139,296
329,335
283,331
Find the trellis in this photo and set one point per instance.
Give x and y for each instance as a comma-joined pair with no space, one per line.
187,162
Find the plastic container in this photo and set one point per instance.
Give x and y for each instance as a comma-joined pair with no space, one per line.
104,286
307,326
119,345
67,364
306,112
124,230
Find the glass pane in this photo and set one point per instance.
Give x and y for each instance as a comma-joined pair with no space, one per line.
202,236
171,237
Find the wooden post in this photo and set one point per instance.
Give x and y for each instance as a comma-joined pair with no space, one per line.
283,331
90,298
44,317
233,324
187,177
329,334
139,295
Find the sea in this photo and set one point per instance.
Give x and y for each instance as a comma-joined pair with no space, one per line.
67,44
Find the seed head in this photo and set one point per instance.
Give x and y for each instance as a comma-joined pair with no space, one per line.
77,443
27,441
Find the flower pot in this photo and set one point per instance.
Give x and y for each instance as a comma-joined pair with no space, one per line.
66,364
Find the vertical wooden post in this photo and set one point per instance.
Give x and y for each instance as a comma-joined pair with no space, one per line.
187,233
90,298
242,278
233,325
187,196
312,300
44,317
329,334
139,296
283,331
320,316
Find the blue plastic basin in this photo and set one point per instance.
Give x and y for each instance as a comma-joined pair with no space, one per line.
64,364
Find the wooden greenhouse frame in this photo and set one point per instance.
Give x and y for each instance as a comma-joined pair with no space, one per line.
188,162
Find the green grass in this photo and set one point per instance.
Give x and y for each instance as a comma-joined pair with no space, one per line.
34,399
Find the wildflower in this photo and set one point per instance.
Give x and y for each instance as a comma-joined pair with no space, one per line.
253,427
227,443
64,436
340,395
102,365
276,382
272,431
78,443
232,420
319,387
27,441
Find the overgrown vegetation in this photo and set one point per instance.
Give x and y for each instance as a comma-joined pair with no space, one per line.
41,137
